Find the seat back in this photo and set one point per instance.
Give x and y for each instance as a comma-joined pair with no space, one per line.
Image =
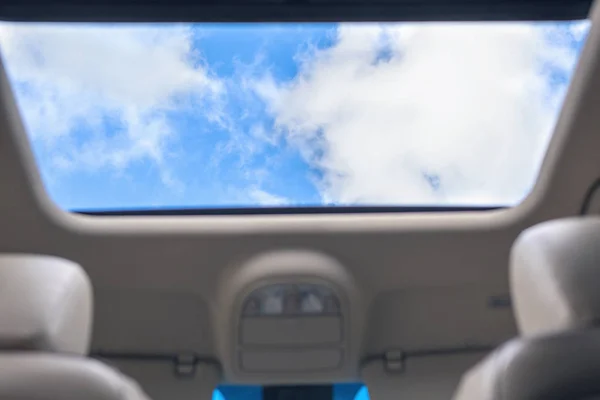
555,286
45,325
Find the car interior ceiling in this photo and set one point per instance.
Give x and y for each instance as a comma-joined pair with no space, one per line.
421,296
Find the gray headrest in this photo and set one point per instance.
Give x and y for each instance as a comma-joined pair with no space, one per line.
560,366
555,276
45,304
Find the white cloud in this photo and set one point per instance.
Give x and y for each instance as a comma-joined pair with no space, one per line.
426,113
70,78
267,199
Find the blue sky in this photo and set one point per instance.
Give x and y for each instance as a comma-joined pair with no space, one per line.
209,115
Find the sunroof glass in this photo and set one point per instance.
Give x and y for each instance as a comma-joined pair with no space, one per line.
253,115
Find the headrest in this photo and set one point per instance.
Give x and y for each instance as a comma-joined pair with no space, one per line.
560,366
45,304
555,276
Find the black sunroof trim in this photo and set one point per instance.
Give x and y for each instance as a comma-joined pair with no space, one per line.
291,10
283,210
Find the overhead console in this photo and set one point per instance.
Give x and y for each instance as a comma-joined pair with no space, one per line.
285,316
291,327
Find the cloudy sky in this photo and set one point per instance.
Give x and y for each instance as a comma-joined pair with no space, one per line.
205,115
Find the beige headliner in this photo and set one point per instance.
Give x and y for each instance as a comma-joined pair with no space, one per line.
423,278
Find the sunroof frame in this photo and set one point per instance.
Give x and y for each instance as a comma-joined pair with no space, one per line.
169,211
291,10
214,11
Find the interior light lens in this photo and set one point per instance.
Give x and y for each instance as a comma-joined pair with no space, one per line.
291,300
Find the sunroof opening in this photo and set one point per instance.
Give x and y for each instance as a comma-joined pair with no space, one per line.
215,116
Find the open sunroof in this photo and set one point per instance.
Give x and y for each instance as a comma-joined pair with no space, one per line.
331,117
292,10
